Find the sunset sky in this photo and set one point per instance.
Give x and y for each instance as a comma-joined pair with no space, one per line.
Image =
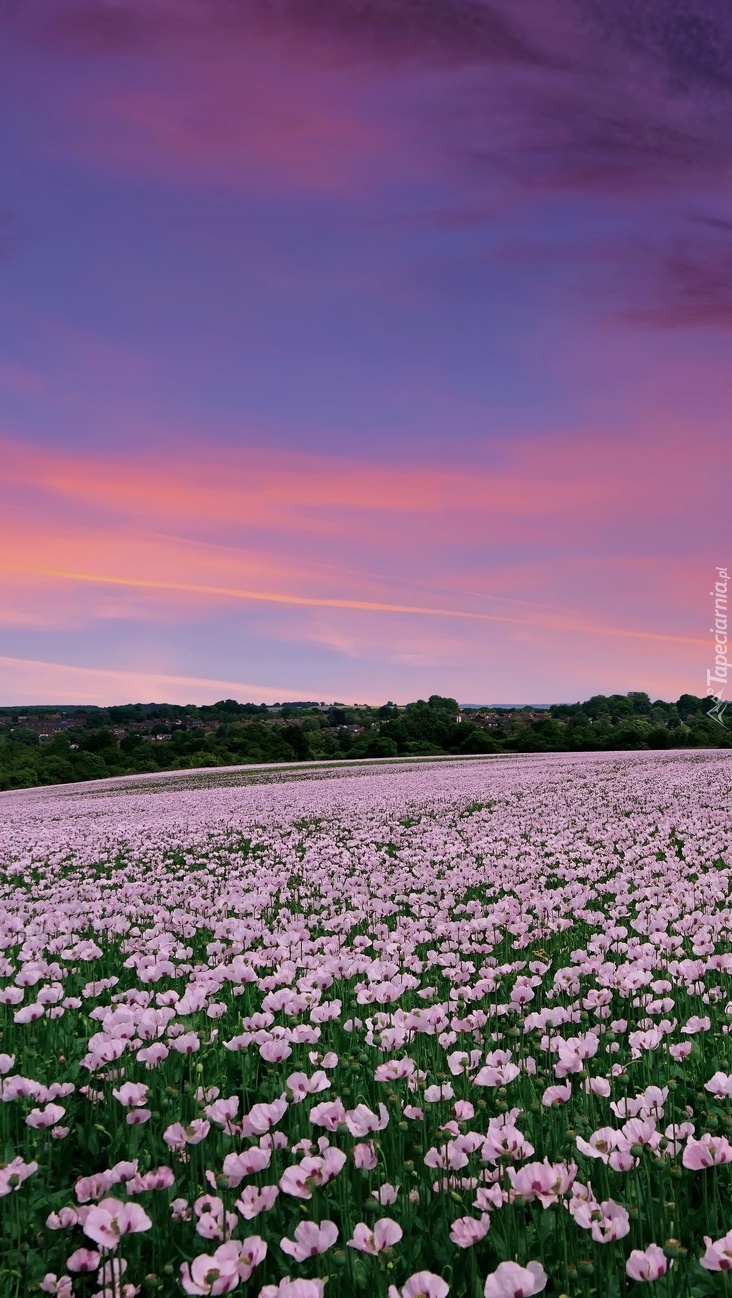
358,349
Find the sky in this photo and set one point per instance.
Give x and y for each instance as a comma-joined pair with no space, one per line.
363,349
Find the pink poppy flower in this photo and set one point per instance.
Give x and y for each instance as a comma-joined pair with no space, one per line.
301,1085
497,1075
542,1181
231,1264
600,1145
361,1121
275,1051
331,1114
647,1264
153,1055
488,1197
450,1156
718,1255
249,1161
14,1174
463,1110
11,996
29,1013
720,1086
597,1086
59,1286
209,1275
213,1223
262,1117
63,1219
557,1094
288,1288
131,1094
364,1157
310,1239
433,1094
223,1112
423,1284
300,1179
505,1141
392,1071
509,1280
696,1024
159,1178
47,1117
111,1278
609,1221
177,1136
93,1187
384,1235
253,1201
329,1060
709,1151
466,1231
137,1117
186,1044
460,1061
109,1220
83,1260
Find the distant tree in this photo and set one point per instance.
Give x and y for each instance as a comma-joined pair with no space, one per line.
21,778
641,702
57,771
389,712
620,706
89,766
381,746
550,732
689,705
479,741
25,735
296,739
98,741
440,704
597,706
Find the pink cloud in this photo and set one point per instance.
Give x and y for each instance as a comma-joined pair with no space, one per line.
30,680
255,109
332,96
102,537
539,486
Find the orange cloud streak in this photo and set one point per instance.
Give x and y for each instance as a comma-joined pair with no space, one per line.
369,606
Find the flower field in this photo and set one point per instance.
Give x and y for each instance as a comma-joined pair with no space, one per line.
388,1031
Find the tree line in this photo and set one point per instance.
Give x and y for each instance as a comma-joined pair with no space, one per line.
41,746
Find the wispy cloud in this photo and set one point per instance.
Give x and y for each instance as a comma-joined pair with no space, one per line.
567,95
27,680
295,544
294,600
686,283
